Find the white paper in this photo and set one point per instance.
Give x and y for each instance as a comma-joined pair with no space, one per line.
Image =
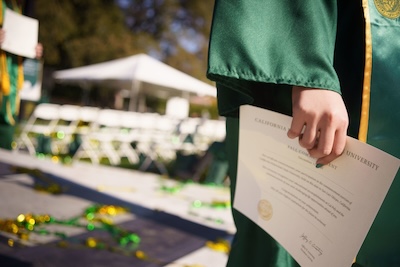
21,34
319,215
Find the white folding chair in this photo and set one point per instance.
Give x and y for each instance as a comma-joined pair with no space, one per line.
147,123
187,131
220,130
87,118
165,136
151,134
128,134
210,131
99,142
42,122
87,124
69,118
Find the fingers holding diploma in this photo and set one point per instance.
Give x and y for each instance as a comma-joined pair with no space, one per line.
320,121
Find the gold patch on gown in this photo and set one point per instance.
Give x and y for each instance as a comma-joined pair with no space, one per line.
388,8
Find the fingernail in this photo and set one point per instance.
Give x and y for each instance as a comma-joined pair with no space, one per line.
319,165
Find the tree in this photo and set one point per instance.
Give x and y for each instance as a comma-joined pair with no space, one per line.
180,28
76,33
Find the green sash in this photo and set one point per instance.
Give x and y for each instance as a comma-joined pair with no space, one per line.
380,123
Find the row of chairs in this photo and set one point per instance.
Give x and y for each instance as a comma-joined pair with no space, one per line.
113,134
54,121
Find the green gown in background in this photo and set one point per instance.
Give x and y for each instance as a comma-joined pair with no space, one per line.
260,48
11,81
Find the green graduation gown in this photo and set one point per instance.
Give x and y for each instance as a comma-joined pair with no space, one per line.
260,48
11,81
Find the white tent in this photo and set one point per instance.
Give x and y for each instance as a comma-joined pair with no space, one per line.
141,74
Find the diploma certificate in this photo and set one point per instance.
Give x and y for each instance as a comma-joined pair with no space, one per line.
320,216
21,34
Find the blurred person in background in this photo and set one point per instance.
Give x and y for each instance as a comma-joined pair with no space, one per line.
11,78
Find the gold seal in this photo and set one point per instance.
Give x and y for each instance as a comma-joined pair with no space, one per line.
388,8
265,209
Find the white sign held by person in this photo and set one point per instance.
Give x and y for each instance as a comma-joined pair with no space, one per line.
21,34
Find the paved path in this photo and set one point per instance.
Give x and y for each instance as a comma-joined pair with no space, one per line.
175,221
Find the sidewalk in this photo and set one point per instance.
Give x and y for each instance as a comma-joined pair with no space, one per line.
178,224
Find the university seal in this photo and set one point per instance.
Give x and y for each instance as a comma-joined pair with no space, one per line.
388,8
265,209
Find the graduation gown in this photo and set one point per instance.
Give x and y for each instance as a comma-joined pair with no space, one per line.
11,81
259,49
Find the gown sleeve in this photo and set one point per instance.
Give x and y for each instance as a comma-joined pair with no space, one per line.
285,42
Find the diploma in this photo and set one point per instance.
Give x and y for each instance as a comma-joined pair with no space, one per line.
320,216
21,34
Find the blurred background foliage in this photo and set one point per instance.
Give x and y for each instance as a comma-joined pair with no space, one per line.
76,33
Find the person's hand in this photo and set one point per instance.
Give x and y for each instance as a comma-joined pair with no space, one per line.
39,50
320,121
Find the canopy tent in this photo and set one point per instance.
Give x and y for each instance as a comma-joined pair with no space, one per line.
141,74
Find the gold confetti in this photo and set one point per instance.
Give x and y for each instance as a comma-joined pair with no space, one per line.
220,245
91,242
140,255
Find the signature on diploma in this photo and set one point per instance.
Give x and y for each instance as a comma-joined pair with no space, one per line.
311,244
